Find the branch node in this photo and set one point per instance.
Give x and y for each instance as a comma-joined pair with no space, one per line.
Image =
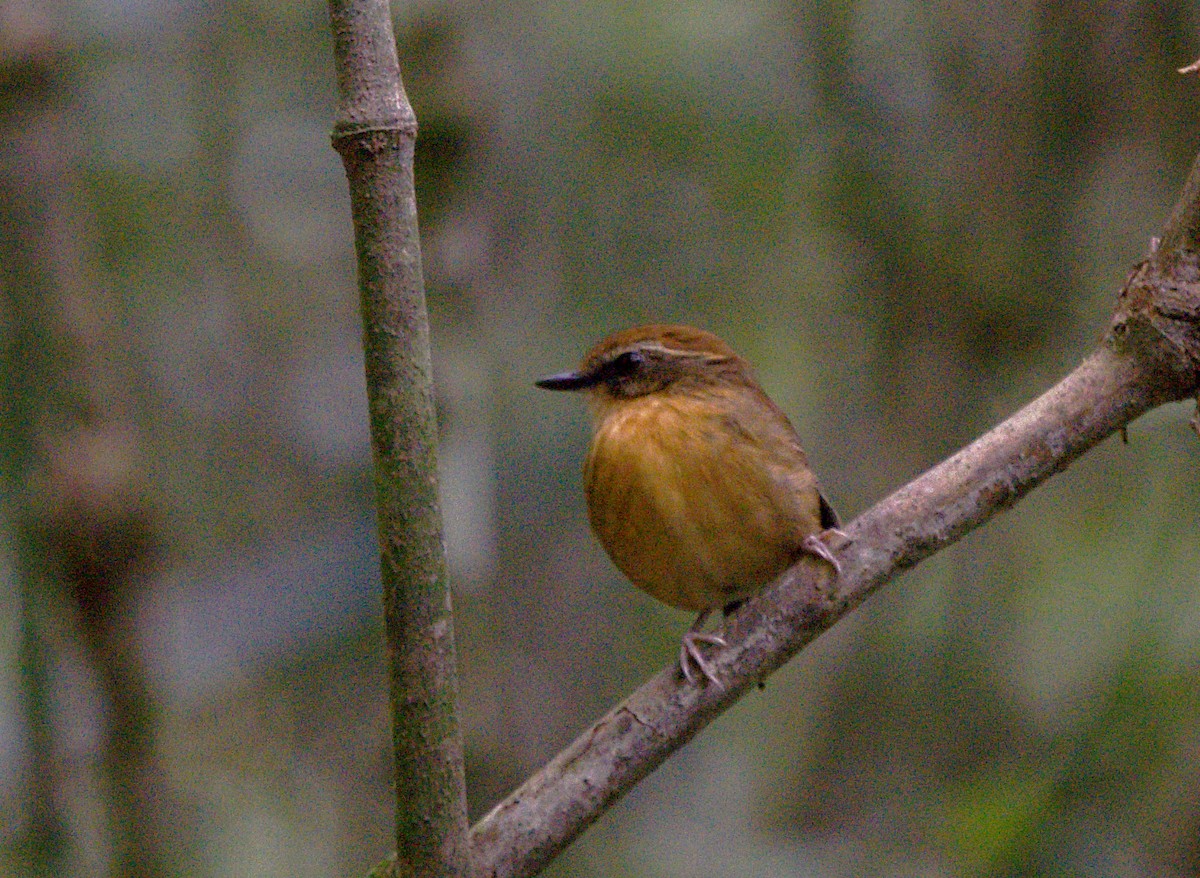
1157,318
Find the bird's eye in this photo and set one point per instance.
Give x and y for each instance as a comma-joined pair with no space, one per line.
627,363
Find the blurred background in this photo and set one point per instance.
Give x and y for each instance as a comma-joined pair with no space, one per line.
913,218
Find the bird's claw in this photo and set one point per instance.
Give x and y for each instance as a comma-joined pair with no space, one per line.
691,654
818,544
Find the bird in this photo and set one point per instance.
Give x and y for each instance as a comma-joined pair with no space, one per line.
695,481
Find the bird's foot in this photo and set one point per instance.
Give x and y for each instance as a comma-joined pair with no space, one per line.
691,654
818,544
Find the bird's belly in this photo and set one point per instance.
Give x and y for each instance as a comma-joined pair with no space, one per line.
689,511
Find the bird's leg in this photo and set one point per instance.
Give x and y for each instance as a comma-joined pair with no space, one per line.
817,544
689,651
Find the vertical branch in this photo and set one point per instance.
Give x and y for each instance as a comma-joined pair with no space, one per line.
375,133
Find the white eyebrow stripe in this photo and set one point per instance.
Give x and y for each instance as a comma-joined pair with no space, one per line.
658,348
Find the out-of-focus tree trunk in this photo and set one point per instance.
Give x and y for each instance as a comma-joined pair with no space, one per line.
87,532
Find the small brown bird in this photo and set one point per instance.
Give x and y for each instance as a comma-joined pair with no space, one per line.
696,483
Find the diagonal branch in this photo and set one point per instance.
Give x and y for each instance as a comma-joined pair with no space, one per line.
1148,357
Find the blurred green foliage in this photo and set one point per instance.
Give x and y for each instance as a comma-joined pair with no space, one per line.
911,217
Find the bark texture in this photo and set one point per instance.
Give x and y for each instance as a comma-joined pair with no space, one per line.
375,133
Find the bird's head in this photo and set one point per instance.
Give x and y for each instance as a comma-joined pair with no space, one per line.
652,359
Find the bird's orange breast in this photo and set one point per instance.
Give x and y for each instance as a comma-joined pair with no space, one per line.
697,501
